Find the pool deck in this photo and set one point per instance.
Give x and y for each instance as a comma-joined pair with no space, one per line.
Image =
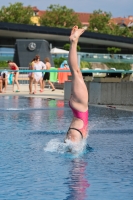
57,94
24,91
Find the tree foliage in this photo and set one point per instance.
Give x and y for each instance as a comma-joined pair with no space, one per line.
3,64
16,13
121,31
119,66
113,50
59,16
58,61
85,64
126,32
99,21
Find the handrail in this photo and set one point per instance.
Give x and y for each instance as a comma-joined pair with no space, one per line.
84,71
108,60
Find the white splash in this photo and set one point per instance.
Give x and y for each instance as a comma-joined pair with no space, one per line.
16,109
55,145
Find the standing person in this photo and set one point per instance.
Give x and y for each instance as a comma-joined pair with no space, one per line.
47,74
31,75
1,83
38,65
14,67
79,95
4,75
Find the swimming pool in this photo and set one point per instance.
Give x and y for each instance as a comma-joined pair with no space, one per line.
34,164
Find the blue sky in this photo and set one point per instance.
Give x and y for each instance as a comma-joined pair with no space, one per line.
121,8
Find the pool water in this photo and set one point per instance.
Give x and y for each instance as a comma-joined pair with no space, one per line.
34,163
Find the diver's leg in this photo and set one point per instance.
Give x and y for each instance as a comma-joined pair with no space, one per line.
79,98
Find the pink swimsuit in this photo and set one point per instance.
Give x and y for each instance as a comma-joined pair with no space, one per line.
84,117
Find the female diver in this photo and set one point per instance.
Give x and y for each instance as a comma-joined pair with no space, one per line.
79,95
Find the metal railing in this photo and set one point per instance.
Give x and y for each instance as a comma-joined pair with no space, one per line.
23,72
24,79
103,58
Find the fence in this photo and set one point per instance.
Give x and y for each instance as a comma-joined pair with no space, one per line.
23,76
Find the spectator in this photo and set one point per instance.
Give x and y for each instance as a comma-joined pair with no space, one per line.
14,67
64,64
31,75
47,74
38,65
1,84
4,75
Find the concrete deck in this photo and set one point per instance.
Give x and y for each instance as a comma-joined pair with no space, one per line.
24,91
118,107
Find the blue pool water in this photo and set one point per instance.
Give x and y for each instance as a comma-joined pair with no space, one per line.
35,165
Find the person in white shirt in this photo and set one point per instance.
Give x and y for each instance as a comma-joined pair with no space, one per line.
38,65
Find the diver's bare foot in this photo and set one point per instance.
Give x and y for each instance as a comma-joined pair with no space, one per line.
75,28
75,33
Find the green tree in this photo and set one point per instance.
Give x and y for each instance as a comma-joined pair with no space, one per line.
16,13
3,64
119,66
99,22
58,61
115,29
85,64
113,50
126,32
59,16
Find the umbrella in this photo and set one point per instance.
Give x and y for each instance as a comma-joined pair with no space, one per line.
58,51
